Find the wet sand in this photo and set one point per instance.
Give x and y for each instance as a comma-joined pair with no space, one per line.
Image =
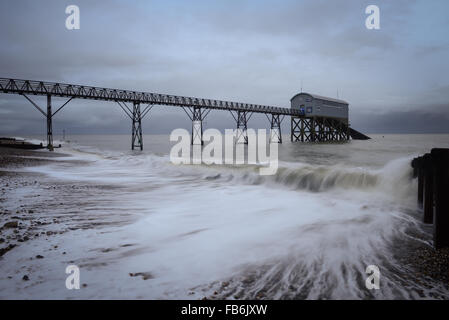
23,224
34,207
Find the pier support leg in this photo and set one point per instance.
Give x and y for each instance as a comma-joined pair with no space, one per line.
49,124
325,130
318,129
313,130
197,115
197,127
136,116
302,130
333,130
347,131
49,116
307,129
320,125
297,129
137,139
440,158
337,130
275,132
242,127
291,130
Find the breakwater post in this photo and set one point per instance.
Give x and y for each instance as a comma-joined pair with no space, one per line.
428,173
432,171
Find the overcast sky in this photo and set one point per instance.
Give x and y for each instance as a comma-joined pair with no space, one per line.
395,79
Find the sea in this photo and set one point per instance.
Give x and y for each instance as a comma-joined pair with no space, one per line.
312,230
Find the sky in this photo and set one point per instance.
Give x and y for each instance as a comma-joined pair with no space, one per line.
396,79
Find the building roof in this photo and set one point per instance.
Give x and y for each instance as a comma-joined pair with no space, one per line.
315,96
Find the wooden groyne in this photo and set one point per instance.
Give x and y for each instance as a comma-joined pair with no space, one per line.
432,172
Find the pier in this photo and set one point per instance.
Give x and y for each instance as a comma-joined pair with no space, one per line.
137,105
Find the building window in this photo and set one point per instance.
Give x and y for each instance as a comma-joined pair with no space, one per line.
309,110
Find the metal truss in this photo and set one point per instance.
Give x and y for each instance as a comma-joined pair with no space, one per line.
136,139
49,116
302,128
16,86
197,115
318,129
242,118
275,132
136,117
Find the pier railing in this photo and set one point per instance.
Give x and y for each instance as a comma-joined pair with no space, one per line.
107,94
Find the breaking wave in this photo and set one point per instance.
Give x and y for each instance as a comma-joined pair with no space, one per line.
393,180
307,232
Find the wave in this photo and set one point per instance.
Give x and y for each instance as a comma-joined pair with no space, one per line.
394,179
308,232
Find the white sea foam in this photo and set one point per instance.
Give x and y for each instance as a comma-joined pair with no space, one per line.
309,231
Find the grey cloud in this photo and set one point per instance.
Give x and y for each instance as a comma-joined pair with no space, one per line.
249,51
416,121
